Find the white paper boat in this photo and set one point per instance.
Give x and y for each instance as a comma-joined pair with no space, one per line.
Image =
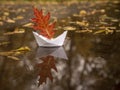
54,51
55,42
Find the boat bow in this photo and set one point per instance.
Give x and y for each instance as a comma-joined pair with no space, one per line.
43,41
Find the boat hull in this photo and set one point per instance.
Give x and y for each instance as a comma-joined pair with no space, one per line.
45,42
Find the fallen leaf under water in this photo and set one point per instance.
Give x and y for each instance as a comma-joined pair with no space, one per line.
4,43
19,18
16,31
69,28
84,31
104,31
28,25
10,21
14,53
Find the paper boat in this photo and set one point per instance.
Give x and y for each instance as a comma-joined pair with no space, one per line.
55,42
54,51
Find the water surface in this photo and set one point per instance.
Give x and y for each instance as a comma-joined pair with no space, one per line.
89,60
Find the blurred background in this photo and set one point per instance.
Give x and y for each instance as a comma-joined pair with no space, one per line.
89,60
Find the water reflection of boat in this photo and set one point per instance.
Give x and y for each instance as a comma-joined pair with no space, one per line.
44,42
54,51
47,56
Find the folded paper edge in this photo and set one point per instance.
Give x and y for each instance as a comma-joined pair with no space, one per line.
44,42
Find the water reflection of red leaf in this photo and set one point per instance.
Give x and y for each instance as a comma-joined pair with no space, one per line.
42,23
45,68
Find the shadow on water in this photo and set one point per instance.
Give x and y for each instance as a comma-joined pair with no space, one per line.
87,61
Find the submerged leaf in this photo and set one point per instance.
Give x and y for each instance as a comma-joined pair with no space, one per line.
13,53
23,49
16,31
83,23
84,31
6,13
4,43
1,23
28,25
18,18
12,57
106,31
10,21
83,13
99,31
115,20
69,28
117,30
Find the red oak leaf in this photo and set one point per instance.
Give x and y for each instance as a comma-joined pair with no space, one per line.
45,68
42,24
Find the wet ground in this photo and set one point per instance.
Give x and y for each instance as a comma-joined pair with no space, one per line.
89,60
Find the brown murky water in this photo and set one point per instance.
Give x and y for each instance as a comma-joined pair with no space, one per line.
89,60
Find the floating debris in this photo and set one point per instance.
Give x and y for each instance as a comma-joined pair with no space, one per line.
10,21
102,10
115,20
99,31
69,28
25,48
103,17
4,43
20,10
84,31
19,18
104,31
63,21
116,2
111,27
82,13
117,10
83,23
0,18
16,31
103,27
104,23
118,31
1,23
76,15
13,58
6,13
28,25
93,12
3,18
14,53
